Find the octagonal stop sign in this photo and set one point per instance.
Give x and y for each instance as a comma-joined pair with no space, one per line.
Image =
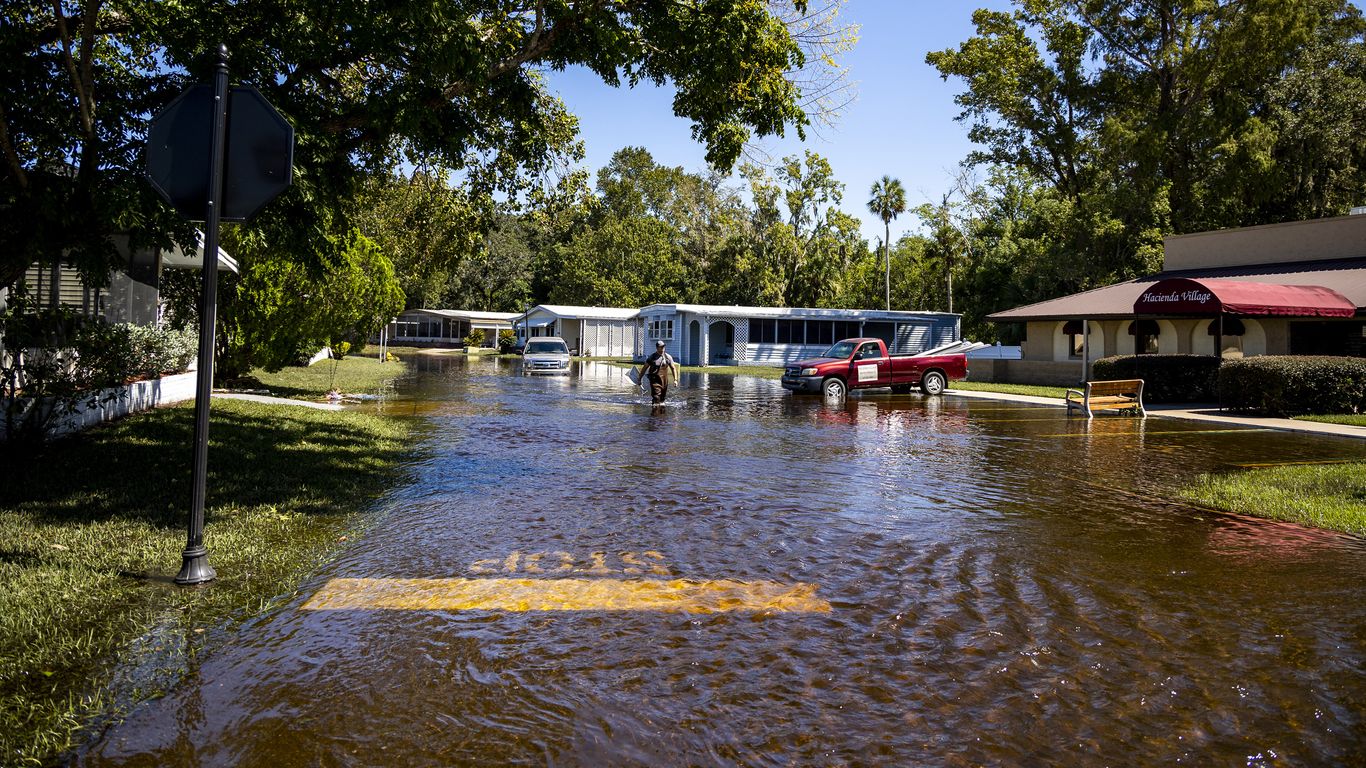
258,160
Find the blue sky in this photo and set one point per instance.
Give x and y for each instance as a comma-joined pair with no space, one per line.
902,123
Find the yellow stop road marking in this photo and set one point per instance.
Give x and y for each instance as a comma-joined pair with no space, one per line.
676,595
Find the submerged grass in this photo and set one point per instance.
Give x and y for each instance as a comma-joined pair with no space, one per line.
92,527
1330,496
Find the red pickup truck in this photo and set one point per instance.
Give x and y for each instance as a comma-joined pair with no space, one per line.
858,363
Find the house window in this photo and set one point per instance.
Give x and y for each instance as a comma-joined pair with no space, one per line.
1145,333
791,332
1076,340
1231,337
661,330
762,331
820,332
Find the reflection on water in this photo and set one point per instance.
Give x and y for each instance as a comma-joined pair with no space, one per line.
1005,586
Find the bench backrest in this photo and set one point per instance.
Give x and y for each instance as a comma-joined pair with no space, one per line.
1117,387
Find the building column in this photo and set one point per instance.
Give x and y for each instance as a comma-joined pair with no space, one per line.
704,340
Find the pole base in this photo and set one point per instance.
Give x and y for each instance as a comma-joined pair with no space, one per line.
195,568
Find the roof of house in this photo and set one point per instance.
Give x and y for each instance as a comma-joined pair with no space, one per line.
464,314
1346,276
568,312
725,310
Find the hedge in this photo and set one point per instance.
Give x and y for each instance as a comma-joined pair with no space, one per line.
1281,385
1166,378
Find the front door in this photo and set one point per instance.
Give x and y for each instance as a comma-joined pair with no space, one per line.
870,367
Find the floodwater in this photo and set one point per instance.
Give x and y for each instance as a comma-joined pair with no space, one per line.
976,582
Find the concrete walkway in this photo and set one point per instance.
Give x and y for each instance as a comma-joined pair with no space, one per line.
1206,413
278,400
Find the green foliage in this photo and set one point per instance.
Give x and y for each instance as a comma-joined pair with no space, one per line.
278,309
887,201
474,339
59,362
427,228
453,83
1105,126
1166,378
507,340
621,262
1283,385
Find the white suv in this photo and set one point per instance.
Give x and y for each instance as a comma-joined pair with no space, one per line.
545,354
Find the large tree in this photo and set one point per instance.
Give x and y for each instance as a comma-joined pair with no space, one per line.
453,82
887,200
1148,118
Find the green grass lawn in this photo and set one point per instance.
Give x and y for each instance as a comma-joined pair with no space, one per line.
1010,389
351,375
91,531
1331,496
1350,419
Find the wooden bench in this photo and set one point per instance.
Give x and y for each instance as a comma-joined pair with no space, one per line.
1101,395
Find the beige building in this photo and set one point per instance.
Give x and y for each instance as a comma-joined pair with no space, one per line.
1281,289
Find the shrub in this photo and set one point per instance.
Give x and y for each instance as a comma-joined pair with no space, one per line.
475,339
1166,378
158,351
1280,385
507,341
59,362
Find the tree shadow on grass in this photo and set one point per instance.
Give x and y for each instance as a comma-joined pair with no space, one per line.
314,462
249,382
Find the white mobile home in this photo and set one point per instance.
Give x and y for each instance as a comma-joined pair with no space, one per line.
446,327
589,331
698,334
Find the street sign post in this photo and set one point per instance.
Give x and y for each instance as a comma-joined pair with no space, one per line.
215,153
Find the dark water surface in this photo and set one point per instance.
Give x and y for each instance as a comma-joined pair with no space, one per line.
1006,586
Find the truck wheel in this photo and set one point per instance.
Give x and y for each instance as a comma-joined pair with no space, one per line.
834,388
932,383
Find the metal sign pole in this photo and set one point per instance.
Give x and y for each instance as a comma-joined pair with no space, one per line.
195,568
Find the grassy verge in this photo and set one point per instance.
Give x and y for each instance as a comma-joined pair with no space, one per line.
91,531
1350,419
1010,389
351,375
1331,496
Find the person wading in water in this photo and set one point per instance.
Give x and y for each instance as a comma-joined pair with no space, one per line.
659,369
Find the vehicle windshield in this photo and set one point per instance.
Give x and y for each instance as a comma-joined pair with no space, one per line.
546,348
841,349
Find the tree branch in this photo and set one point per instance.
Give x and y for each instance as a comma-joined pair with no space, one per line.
87,118
10,155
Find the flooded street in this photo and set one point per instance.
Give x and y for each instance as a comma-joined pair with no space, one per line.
749,578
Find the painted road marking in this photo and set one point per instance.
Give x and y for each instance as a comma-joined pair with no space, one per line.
675,596
596,564
1170,432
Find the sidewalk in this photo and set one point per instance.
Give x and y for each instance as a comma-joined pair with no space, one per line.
1199,412
278,400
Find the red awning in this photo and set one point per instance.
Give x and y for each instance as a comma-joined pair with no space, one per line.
1209,297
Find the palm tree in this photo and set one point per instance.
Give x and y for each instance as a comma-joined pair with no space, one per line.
887,201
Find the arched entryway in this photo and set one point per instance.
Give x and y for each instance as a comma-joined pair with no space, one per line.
721,343
694,355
